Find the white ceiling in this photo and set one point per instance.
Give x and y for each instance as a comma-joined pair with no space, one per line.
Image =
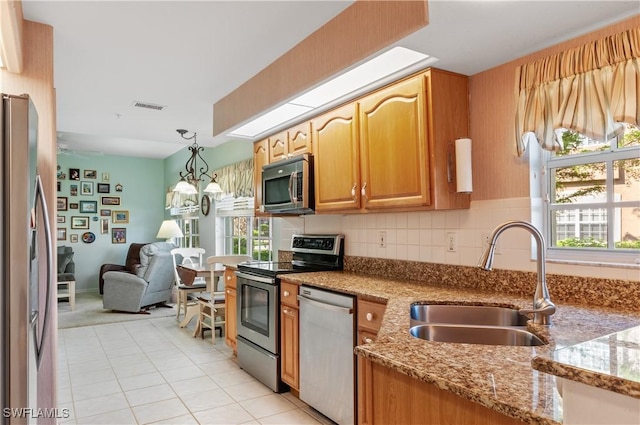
186,55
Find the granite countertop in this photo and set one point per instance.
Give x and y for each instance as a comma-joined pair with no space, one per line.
498,377
610,362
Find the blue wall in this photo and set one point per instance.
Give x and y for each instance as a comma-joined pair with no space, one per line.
142,195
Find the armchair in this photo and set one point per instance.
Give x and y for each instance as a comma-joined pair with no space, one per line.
66,277
151,284
131,264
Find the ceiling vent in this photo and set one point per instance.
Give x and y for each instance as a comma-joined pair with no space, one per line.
147,105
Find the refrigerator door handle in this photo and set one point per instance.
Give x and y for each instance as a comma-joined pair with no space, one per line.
39,345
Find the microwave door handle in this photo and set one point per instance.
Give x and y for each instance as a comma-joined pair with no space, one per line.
291,187
294,198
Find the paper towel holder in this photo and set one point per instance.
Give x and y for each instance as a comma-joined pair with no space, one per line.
460,149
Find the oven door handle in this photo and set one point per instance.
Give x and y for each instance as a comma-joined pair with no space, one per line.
326,306
255,278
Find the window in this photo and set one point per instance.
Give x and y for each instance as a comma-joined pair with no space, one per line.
592,193
244,235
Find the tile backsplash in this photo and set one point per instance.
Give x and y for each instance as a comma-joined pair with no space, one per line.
424,236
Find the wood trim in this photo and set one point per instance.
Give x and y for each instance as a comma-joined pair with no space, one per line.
11,36
498,173
357,32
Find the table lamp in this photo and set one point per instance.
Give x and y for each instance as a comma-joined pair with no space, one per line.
169,230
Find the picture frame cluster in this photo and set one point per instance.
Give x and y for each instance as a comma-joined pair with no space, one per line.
83,200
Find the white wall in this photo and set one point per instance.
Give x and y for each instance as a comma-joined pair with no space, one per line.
422,236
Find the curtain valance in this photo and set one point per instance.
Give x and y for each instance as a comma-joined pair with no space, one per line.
237,179
589,89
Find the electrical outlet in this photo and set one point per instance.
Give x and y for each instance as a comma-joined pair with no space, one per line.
382,239
485,238
452,243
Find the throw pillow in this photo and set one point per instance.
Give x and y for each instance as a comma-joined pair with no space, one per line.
63,261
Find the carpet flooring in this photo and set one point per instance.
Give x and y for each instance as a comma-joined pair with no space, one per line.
89,312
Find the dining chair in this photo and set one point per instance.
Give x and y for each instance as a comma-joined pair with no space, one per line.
212,304
192,258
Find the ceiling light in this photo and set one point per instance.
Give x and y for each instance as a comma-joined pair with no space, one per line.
390,65
190,180
271,119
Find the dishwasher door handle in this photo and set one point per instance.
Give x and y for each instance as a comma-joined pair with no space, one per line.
326,306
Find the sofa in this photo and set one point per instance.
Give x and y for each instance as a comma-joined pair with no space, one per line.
151,284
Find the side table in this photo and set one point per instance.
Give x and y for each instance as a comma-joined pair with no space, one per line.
68,291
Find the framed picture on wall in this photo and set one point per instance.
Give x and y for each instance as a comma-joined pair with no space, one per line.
62,203
74,174
62,233
104,188
120,217
73,238
105,213
104,225
61,219
110,200
73,190
88,206
79,222
86,188
118,235
73,206
105,177
90,174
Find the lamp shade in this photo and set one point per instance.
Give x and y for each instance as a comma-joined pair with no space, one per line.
169,230
185,187
213,188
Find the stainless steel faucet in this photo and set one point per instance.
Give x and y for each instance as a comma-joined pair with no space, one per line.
543,308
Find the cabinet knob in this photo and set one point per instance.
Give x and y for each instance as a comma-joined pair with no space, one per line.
369,317
228,277
353,190
286,293
364,190
228,291
367,340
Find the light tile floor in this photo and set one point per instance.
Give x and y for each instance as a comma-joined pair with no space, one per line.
152,371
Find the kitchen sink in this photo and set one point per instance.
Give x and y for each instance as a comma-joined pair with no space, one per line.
488,335
459,314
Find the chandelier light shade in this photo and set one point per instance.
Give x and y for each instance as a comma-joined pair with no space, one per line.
169,229
195,168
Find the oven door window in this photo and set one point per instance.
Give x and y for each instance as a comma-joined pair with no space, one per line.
254,309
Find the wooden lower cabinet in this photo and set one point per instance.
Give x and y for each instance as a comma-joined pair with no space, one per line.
289,355
231,308
389,397
289,335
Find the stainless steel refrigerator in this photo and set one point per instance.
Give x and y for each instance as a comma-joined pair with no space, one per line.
25,224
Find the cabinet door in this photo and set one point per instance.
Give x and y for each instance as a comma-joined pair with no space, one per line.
289,357
260,158
278,146
299,139
230,318
336,163
393,156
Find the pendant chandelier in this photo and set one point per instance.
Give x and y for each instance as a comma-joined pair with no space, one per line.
193,175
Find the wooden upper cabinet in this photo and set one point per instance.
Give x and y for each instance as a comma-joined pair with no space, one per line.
291,142
336,159
278,146
260,158
394,153
299,139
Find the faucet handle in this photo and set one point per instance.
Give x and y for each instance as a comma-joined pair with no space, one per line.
542,314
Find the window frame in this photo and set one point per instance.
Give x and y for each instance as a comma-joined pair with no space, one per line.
226,224
541,162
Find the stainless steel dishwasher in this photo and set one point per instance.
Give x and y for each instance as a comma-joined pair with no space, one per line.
327,337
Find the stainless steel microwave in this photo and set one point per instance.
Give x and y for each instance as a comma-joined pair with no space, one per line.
287,186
